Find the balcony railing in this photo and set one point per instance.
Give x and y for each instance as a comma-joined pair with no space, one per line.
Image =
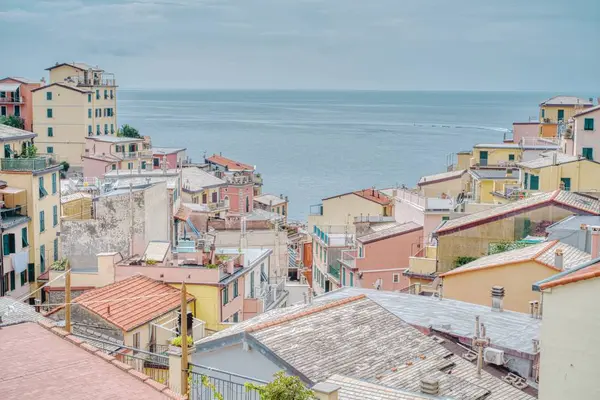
13,216
11,100
28,164
216,206
334,272
131,155
274,293
316,209
97,82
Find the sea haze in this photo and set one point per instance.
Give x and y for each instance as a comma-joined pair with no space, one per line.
313,144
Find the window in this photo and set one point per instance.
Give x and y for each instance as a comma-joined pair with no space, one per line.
251,284
8,243
565,184
43,192
42,258
543,113
561,115
106,129
97,94
89,113
90,130
360,251
54,215
511,157
49,149
56,249
7,151
31,272
23,277
54,183
17,111
235,289
48,95
42,221
49,113
526,181
343,272
204,198
445,218
113,167
105,94
89,98
588,153
50,131
214,197
98,130
24,238
112,128
534,182
111,94
143,164
129,165
3,110
282,210
156,162
396,278
97,112
588,124
235,317
136,340
12,280
225,295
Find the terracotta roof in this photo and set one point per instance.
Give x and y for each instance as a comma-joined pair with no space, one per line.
569,200
41,358
587,111
63,86
231,165
441,177
129,313
542,253
395,230
374,195
585,271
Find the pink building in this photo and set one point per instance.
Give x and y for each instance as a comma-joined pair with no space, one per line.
238,194
584,134
16,99
522,130
109,153
224,166
381,256
174,157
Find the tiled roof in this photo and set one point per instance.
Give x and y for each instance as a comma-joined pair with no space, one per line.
64,86
143,300
443,176
157,250
266,199
356,389
374,195
396,230
115,139
14,312
78,65
231,165
508,330
585,271
40,360
194,179
21,79
166,150
587,111
543,253
566,101
548,159
559,198
360,339
495,173
10,133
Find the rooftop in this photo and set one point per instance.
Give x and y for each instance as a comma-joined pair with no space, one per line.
583,272
587,111
167,150
8,133
357,389
560,198
74,196
152,300
358,338
549,159
14,312
507,330
134,173
515,146
21,79
374,195
38,361
114,139
230,164
485,173
542,253
566,101
194,179
62,85
444,176
391,230
79,65
267,199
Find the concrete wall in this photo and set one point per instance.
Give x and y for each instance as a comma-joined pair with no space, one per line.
451,187
569,342
497,156
525,130
551,112
110,231
475,286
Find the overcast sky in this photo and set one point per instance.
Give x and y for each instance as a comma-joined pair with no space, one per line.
548,45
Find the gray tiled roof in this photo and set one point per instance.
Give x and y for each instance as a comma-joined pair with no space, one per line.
268,198
441,176
9,133
356,389
14,312
548,159
566,101
194,179
495,173
394,230
507,330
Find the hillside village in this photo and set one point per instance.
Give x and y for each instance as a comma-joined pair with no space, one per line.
477,282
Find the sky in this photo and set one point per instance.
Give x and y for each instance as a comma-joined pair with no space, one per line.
546,45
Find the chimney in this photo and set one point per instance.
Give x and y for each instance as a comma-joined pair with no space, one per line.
326,391
534,308
212,253
497,298
558,258
595,248
430,386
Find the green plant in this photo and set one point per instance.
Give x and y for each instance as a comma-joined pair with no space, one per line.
176,341
207,383
13,120
29,152
128,131
151,262
211,266
59,265
65,167
283,387
462,260
501,247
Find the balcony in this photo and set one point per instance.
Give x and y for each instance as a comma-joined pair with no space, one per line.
28,164
349,258
273,295
11,100
220,205
13,216
97,82
334,272
132,155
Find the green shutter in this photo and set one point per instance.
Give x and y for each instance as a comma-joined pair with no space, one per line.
49,113
42,222
588,124
526,180
534,182
588,153
24,238
235,289
566,182
511,157
54,181
561,115
42,258
12,280
31,272
56,249
48,95
5,245
351,279
50,131
11,243
23,277
54,215
225,295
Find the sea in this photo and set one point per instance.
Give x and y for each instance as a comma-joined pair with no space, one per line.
309,145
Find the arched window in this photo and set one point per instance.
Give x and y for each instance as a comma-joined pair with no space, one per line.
226,201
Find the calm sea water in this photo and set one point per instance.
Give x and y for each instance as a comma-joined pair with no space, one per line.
310,145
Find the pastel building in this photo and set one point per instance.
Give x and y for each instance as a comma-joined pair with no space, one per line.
329,242
16,99
109,153
444,185
272,203
507,154
173,156
201,187
558,110
223,165
238,194
80,101
584,138
524,131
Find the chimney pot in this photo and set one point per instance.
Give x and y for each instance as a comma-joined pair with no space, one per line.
498,293
558,258
430,386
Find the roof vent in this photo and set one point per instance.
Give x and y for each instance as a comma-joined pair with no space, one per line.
497,298
430,386
558,258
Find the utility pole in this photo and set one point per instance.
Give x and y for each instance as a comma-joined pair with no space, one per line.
184,344
68,297
480,341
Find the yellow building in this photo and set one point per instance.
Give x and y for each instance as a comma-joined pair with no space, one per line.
201,187
562,108
79,101
39,177
76,206
488,184
341,210
445,184
272,203
555,170
569,337
516,271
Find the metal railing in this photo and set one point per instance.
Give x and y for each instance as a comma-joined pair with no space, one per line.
334,272
130,155
205,382
27,164
274,293
18,211
97,82
153,366
11,99
217,205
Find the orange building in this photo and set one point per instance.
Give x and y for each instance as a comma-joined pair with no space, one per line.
16,99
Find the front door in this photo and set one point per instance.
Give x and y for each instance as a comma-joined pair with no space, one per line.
483,158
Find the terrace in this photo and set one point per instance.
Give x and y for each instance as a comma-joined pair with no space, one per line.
28,164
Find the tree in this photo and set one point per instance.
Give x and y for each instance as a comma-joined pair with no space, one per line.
128,131
284,387
462,260
65,169
13,120
29,152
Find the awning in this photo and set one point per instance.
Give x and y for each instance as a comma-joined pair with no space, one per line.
9,87
11,190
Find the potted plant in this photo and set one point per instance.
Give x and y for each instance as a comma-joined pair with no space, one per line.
176,343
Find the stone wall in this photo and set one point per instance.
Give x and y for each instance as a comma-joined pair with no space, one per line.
83,318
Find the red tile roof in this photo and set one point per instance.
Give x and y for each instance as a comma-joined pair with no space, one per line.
40,358
374,195
231,165
590,272
132,302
